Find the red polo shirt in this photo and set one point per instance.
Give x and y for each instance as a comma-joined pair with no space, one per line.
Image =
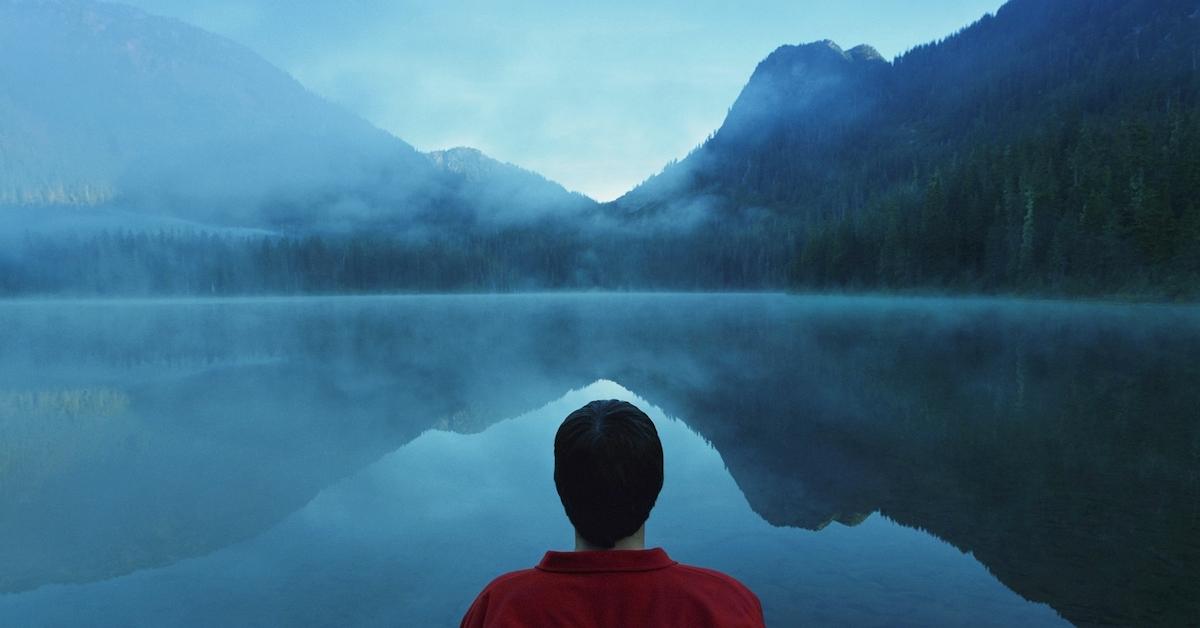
618,588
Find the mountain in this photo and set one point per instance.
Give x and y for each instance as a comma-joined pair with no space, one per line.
812,93
109,104
507,193
1053,146
808,96
102,104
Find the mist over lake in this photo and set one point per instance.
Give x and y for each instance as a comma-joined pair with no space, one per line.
374,461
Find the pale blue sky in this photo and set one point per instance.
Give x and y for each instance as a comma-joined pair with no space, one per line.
595,95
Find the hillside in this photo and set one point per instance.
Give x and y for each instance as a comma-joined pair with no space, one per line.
1050,147
110,106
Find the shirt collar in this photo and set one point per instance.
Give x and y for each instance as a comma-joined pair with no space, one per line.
606,560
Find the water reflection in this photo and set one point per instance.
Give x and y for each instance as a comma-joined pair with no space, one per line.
1058,444
408,541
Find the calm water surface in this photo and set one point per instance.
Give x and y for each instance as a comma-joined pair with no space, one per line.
375,461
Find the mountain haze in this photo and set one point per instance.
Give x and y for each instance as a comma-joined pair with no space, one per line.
1051,148
506,193
112,106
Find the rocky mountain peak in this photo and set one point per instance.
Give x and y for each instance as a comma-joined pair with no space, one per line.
865,53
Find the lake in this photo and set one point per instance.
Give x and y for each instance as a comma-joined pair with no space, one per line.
375,461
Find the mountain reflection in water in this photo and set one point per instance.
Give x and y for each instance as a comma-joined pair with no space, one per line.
410,539
1058,444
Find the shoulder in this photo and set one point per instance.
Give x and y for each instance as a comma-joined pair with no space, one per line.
714,578
513,580
717,584
495,595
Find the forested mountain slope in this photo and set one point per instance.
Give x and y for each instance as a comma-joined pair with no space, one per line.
1054,146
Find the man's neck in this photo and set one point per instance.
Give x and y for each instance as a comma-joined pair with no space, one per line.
635,541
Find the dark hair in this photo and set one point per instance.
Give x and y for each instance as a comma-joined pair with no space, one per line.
608,468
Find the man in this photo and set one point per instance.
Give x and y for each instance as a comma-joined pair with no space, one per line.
608,468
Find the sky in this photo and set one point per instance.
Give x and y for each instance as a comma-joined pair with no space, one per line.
595,95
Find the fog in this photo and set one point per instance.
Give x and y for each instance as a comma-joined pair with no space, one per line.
185,130
276,453
183,124
170,108
151,158
144,156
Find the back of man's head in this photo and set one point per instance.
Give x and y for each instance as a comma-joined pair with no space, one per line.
608,468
